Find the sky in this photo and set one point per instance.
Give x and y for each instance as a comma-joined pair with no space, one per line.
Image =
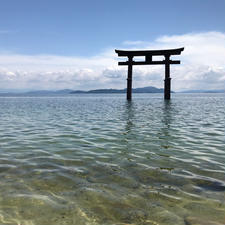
52,45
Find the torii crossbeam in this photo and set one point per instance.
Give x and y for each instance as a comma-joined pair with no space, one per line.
148,61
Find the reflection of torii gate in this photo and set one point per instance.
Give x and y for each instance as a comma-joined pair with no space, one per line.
148,61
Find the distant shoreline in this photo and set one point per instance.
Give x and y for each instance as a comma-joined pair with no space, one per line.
149,89
2,95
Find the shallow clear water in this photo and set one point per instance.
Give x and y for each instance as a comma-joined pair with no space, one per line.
99,159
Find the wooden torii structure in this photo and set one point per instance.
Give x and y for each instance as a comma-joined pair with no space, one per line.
148,61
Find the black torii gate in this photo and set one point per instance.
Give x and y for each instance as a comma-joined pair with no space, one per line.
148,61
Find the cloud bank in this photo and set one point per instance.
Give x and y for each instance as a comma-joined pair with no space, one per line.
202,66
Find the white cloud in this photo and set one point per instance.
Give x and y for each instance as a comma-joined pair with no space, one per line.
4,31
202,67
135,43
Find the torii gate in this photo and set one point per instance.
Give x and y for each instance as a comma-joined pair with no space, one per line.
148,61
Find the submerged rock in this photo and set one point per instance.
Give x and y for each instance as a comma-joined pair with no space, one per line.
166,217
197,221
210,185
207,210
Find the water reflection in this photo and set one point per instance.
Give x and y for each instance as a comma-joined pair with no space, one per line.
129,115
167,115
129,129
165,134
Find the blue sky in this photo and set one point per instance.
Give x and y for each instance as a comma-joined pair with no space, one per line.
62,40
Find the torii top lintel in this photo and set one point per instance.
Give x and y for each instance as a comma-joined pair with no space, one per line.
148,56
176,51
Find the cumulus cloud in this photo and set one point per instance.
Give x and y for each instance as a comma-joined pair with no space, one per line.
202,66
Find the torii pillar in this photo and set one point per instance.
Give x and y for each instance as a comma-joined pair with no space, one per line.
167,83
148,61
129,78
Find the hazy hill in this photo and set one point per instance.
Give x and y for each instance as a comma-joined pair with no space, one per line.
149,89
112,91
203,91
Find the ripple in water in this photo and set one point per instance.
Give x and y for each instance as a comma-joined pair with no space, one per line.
102,160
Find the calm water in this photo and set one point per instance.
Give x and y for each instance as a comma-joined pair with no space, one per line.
101,160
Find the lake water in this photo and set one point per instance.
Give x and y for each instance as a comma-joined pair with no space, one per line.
99,159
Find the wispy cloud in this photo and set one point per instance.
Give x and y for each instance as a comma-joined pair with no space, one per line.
202,66
134,43
6,31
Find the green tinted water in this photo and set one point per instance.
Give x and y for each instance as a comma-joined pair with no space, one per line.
101,160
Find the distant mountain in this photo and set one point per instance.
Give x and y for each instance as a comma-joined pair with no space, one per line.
34,93
46,92
4,91
203,91
148,90
117,91
106,91
69,91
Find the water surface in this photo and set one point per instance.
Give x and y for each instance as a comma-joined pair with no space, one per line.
99,159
